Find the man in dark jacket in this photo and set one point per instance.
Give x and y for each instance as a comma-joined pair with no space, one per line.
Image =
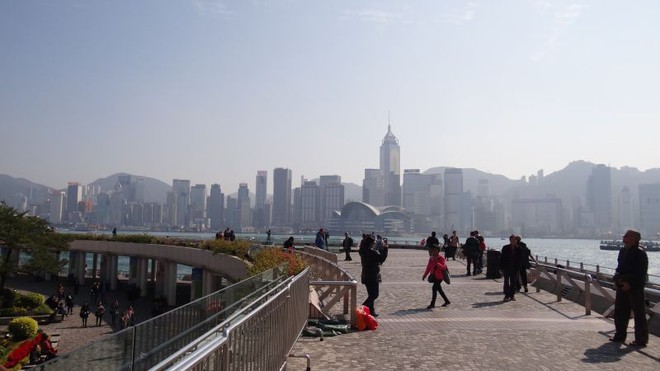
371,261
510,262
630,278
471,252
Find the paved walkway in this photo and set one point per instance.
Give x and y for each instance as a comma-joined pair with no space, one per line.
477,331
72,334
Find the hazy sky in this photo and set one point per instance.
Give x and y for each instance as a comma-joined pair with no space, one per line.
213,91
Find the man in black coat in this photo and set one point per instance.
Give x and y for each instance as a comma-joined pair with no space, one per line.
471,252
510,262
371,261
629,279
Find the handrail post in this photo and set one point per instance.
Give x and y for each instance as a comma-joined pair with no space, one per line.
558,285
587,294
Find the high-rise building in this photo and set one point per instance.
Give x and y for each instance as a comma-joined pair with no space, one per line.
599,198
243,207
261,219
390,159
332,196
281,197
181,189
373,187
649,210
74,194
310,198
216,205
198,206
56,206
626,219
454,199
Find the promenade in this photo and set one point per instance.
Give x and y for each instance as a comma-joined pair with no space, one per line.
478,331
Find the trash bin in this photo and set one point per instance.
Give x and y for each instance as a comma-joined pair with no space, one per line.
493,263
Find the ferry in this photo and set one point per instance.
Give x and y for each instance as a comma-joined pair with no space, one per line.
618,244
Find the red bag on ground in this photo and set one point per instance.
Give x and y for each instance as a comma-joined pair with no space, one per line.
361,313
364,320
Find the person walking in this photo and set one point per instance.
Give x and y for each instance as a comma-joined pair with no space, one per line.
84,313
347,244
629,279
435,270
114,311
371,260
431,241
525,256
471,252
510,267
100,311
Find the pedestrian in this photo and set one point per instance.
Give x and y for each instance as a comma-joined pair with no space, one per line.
510,267
84,313
288,244
471,252
100,311
347,244
371,260
435,270
319,241
525,256
630,279
68,302
62,311
431,241
453,245
114,311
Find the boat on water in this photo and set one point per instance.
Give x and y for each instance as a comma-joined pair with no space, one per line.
618,244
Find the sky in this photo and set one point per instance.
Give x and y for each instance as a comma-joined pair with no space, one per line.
213,91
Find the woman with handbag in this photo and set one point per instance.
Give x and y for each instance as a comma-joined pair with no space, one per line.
434,270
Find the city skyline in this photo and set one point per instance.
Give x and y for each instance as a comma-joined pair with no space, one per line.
91,88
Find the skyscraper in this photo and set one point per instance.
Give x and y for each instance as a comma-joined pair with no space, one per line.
198,206
260,217
332,196
181,189
73,197
281,197
390,154
453,199
373,187
216,207
599,197
243,206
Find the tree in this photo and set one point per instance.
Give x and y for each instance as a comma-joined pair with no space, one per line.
32,234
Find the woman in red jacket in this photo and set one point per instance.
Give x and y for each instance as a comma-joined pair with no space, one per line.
437,264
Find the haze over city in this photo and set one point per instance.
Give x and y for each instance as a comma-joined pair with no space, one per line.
213,91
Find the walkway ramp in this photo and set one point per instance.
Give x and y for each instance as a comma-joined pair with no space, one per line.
477,331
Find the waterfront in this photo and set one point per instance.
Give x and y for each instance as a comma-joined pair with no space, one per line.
573,250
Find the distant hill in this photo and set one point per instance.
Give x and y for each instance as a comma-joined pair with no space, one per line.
11,189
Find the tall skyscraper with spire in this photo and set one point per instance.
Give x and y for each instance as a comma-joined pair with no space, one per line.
390,166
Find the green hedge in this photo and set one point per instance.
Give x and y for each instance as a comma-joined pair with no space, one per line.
22,328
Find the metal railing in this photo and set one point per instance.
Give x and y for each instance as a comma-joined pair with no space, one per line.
598,271
142,346
583,282
259,337
333,284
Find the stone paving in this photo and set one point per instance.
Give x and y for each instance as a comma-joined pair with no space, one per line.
477,331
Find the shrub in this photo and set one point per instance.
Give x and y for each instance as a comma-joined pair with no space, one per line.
7,297
29,300
272,257
22,328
